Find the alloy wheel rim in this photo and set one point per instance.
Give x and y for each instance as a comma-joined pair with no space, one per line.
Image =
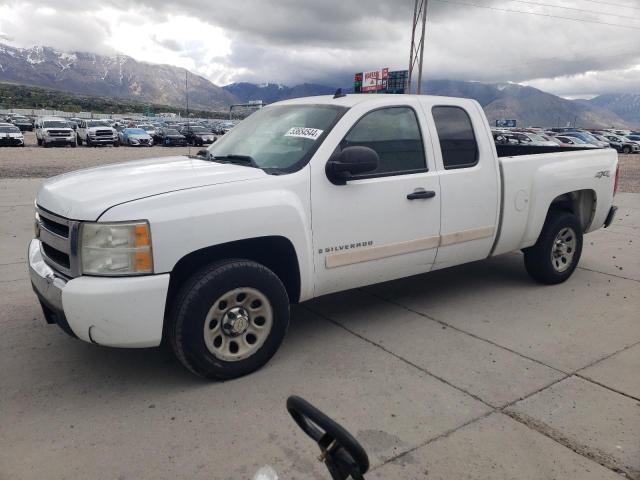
563,250
237,324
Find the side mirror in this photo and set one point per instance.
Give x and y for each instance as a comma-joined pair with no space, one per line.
202,153
342,166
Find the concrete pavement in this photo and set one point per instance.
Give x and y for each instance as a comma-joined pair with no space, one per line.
472,372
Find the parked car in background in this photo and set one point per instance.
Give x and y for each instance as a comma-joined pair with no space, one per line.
197,135
588,138
52,131
634,139
572,142
10,136
533,139
150,129
135,137
170,137
96,132
616,144
621,143
23,123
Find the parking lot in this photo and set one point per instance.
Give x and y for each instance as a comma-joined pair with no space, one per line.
470,372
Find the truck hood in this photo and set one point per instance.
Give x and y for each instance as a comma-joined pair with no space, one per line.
86,194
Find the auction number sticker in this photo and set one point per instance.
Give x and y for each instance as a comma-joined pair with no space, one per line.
302,132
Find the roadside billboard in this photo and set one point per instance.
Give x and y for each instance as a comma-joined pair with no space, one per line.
374,80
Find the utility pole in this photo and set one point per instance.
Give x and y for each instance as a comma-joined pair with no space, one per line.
417,48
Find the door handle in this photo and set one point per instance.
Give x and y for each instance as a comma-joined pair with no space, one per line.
421,194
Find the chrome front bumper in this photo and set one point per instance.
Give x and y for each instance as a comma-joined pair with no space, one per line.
47,285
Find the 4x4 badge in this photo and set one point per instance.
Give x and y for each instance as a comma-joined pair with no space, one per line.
603,173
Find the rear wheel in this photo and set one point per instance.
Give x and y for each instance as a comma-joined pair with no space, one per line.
229,319
556,254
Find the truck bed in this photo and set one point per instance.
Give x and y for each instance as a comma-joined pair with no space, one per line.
530,184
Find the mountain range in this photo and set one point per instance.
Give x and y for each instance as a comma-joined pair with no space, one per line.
123,77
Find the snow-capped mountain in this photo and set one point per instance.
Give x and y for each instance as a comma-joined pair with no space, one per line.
113,76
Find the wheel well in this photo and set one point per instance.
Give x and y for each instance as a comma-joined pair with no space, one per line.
275,253
582,203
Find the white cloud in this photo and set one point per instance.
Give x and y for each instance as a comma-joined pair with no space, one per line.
291,41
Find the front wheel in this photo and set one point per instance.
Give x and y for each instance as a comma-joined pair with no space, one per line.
229,319
626,150
556,254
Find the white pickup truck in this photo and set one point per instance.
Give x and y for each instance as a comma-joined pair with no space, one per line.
304,198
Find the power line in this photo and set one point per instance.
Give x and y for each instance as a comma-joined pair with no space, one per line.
613,4
582,10
539,14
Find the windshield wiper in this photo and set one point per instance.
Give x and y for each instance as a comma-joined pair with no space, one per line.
237,159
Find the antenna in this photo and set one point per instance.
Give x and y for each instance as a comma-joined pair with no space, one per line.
186,93
339,94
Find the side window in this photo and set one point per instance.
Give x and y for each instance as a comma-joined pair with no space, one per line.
457,140
394,134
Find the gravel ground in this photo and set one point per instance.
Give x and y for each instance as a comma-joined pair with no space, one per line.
34,161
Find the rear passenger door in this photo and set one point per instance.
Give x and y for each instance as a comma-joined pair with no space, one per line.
469,181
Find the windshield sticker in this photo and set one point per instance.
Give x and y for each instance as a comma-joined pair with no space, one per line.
302,132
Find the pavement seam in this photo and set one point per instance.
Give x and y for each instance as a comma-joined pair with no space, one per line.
610,274
605,357
555,435
12,263
473,335
395,355
444,434
595,382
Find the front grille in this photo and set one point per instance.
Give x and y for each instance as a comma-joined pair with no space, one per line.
55,227
59,238
59,133
104,133
57,256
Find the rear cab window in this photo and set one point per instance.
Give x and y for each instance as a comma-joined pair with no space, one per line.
457,138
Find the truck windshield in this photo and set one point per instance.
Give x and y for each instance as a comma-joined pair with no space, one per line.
281,138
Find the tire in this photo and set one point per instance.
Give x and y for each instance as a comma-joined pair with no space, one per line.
548,261
88,142
39,141
73,144
200,317
116,144
46,145
79,140
626,150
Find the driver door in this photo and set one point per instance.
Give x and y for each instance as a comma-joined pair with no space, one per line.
383,224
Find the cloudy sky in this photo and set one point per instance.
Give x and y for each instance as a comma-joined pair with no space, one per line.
593,49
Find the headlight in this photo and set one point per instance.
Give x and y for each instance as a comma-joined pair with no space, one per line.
116,248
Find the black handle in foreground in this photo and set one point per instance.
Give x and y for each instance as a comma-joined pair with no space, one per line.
341,453
421,194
